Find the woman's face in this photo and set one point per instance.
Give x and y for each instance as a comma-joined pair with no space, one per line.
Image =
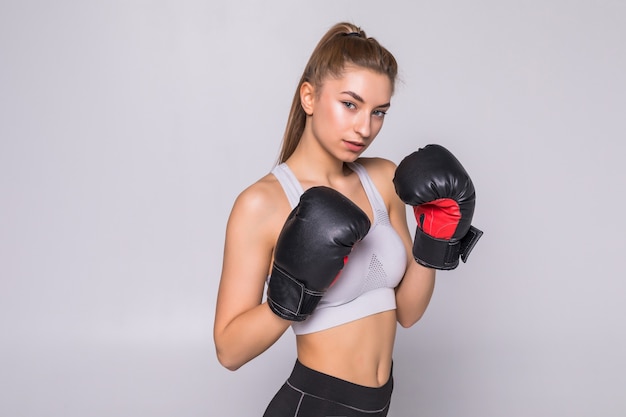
348,112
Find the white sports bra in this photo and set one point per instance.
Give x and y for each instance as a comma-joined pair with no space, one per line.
375,267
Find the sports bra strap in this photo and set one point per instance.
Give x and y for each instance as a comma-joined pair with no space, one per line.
289,182
376,200
293,188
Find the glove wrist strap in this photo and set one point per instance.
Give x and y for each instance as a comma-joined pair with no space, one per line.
289,298
443,253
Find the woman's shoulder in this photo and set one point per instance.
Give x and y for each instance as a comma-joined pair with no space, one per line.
381,171
262,197
258,213
378,167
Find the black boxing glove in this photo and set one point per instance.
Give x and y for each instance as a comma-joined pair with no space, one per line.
442,194
312,249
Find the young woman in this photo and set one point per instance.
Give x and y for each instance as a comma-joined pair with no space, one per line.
346,212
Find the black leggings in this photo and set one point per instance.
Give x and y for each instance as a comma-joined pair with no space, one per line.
308,393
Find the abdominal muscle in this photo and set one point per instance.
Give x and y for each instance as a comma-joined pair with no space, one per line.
359,351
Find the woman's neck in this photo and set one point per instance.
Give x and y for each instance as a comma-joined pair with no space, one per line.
310,162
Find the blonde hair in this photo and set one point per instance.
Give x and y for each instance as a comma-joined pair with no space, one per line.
344,44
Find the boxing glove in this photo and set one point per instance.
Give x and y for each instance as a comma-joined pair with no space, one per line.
434,182
312,249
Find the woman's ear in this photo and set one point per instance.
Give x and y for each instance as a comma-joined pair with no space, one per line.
307,97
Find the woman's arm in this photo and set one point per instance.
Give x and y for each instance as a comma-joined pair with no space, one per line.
244,327
414,292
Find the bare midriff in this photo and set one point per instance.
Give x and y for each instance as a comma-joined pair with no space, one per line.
359,351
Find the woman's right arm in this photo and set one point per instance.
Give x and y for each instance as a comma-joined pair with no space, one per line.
244,327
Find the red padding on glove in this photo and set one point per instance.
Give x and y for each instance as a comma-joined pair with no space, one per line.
345,261
440,217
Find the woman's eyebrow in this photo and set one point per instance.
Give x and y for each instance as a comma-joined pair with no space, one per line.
360,99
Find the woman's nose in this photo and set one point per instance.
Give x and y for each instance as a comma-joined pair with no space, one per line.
362,124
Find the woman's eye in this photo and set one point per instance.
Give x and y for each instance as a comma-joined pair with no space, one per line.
380,113
349,105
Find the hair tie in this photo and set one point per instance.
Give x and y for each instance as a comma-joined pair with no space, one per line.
357,34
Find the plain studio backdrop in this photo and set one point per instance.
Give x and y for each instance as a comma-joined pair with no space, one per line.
129,127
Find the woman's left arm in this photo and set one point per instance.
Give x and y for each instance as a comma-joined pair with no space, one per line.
414,292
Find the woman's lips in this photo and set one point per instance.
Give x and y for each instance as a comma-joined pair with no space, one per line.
354,146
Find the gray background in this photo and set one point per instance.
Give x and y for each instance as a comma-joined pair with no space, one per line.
128,128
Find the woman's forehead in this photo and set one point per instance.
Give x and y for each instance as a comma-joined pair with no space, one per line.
368,84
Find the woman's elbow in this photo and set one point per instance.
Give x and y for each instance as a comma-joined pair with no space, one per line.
227,361
407,322
225,356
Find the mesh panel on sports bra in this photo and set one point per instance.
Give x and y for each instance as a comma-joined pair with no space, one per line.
382,217
376,276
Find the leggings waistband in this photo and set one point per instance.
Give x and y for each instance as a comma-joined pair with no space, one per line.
338,390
